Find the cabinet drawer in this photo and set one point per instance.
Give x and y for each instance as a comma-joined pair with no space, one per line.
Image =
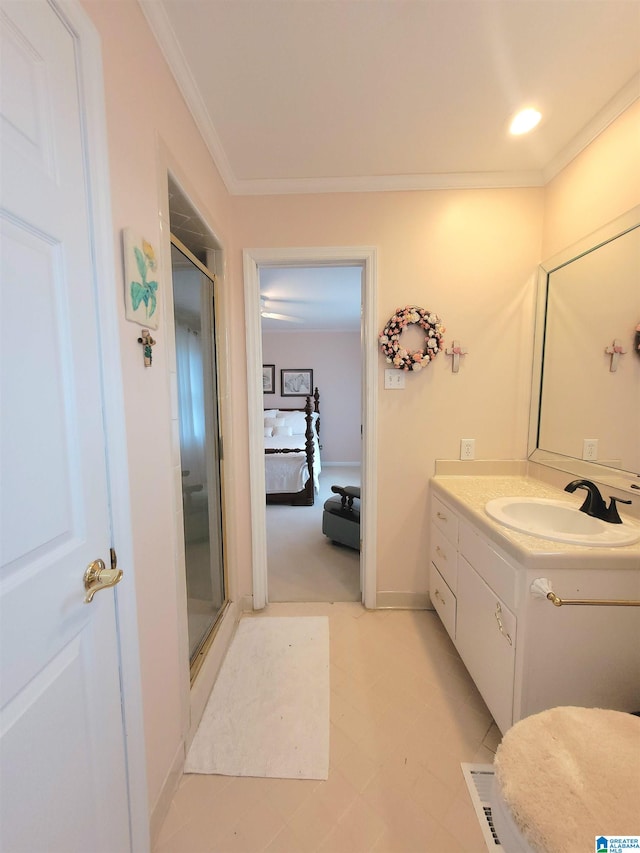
443,600
444,519
495,571
444,556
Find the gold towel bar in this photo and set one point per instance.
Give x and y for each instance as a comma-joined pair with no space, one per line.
611,602
541,588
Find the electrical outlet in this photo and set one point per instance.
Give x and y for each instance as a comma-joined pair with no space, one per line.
393,379
467,448
590,449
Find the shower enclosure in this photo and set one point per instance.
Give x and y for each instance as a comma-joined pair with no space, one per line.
194,316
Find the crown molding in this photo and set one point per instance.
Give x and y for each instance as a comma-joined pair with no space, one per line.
163,32
389,183
602,119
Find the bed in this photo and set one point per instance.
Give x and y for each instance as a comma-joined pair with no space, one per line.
292,453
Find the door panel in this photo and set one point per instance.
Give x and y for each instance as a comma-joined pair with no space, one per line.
25,106
62,764
37,484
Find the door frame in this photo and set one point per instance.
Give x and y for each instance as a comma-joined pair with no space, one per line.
194,696
92,107
366,257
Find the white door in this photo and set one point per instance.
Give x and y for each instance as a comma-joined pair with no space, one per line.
62,757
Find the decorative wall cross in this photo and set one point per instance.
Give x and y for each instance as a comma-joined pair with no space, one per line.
456,350
615,351
147,342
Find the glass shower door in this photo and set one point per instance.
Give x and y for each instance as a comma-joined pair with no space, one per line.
193,297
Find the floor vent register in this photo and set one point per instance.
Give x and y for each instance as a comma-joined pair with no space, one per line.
479,778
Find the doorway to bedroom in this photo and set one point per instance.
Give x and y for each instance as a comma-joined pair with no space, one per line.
254,261
310,319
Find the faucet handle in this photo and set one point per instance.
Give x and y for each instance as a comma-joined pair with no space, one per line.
612,515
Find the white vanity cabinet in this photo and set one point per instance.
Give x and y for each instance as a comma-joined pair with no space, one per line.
443,566
486,640
467,579
523,653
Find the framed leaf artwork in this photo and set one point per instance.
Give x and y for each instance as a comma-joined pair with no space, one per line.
268,378
296,383
141,296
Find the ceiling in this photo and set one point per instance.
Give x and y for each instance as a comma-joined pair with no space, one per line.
358,95
324,298
323,95
321,298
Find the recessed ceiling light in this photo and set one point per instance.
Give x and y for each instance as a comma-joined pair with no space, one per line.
525,121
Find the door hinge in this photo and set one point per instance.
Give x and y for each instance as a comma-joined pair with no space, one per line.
114,558
220,448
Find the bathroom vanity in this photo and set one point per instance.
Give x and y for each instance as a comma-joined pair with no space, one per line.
524,653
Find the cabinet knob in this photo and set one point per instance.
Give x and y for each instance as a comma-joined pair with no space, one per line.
441,516
441,552
437,595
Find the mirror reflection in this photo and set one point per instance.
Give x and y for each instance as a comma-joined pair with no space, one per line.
590,384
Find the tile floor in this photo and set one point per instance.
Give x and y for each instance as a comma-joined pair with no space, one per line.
404,714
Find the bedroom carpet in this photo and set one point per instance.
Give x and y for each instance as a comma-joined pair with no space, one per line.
303,565
268,714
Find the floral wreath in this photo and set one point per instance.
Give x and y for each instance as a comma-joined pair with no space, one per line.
390,338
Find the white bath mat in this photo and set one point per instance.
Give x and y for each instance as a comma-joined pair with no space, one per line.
479,778
268,713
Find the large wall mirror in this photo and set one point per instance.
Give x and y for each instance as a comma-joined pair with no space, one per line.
586,389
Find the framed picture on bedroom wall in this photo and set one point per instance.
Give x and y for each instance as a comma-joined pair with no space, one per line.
269,378
296,383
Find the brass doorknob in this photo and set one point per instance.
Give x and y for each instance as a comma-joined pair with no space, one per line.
98,576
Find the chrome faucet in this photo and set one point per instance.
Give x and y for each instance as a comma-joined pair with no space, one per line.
594,504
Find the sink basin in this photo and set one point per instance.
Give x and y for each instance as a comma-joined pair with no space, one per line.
560,521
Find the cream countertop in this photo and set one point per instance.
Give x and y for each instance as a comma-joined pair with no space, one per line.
469,494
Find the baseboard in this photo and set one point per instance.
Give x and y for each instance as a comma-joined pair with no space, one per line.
340,464
246,603
161,808
393,600
199,694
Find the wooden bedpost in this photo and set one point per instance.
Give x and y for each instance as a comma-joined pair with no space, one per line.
306,496
316,409
308,434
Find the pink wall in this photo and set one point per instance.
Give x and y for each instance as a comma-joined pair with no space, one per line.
600,184
146,115
335,360
470,256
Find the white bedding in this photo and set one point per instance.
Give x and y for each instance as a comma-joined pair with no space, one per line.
289,472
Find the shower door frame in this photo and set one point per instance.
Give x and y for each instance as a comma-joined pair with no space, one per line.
211,399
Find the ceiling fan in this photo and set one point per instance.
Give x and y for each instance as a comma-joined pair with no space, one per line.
265,304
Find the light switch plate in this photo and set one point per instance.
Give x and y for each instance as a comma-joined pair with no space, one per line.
393,379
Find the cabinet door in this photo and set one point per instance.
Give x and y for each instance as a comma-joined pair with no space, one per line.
486,641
